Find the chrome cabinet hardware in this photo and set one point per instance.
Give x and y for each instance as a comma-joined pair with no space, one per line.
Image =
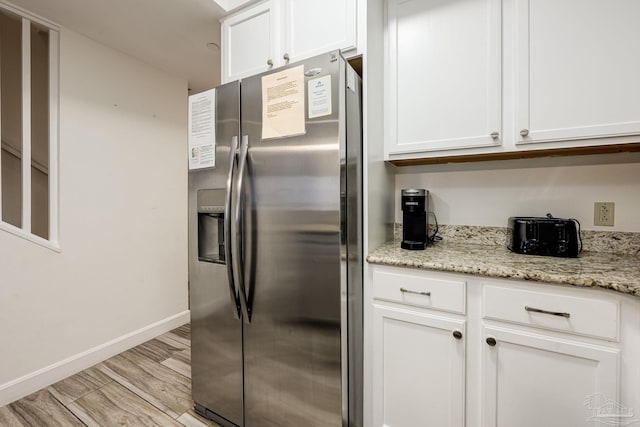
491,341
495,135
457,334
552,313
408,291
269,63
286,57
524,132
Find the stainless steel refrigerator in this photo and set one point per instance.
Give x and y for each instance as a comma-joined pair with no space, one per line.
275,253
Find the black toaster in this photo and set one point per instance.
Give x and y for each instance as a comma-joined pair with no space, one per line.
544,236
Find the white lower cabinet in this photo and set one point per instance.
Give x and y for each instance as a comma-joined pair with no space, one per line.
508,354
419,363
592,89
531,380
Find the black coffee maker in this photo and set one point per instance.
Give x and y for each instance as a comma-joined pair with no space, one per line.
414,218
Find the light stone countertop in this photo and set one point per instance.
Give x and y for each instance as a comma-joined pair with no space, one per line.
618,272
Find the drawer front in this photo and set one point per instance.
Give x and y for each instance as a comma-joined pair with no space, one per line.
420,291
572,314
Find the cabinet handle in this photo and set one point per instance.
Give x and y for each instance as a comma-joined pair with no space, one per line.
286,57
524,132
408,291
457,334
553,313
491,341
495,135
269,63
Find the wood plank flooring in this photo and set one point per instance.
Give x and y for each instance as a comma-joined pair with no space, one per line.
149,385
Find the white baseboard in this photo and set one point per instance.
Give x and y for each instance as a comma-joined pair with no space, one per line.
34,381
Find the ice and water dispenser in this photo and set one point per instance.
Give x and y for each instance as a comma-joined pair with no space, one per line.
211,225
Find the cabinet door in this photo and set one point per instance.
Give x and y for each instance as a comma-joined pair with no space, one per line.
249,41
312,27
533,380
577,69
418,369
444,77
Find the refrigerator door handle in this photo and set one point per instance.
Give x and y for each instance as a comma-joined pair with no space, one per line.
237,226
228,253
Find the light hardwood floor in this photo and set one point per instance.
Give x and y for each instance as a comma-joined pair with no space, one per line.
149,385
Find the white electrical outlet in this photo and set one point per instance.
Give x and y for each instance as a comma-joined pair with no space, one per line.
603,213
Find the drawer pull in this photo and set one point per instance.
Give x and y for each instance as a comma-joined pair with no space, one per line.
408,291
491,341
457,334
553,313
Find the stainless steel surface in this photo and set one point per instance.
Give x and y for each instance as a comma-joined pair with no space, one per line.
457,334
211,200
409,291
233,292
292,345
216,335
353,412
524,132
552,313
344,251
293,234
495,135
491,341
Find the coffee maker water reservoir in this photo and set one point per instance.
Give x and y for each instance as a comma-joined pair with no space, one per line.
414,218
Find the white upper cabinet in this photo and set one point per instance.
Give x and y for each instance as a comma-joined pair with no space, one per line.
312,27
444,77
489,76
249,42
276,32
578,69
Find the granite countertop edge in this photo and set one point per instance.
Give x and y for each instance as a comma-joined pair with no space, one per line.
620,273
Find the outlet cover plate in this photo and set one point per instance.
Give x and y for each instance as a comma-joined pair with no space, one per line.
603,213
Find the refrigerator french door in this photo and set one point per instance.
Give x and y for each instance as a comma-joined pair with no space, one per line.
277,309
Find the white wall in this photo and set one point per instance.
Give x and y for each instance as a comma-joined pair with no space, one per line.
378,175
122,267
488,193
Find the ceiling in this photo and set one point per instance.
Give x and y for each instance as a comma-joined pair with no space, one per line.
171,35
